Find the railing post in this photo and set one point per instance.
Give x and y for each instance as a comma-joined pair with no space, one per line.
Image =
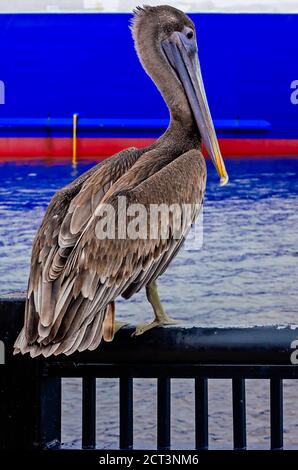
163,413
201,412
276,413
239,413
89,413
126,412
30,407
48,412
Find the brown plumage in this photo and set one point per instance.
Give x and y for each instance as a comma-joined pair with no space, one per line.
75,276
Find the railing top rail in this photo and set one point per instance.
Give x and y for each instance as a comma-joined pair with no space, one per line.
182,344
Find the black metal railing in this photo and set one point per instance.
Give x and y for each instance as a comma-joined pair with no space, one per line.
30,390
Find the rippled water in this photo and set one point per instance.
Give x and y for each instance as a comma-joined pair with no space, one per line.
245,274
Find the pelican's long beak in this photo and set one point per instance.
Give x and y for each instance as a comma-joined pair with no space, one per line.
182,54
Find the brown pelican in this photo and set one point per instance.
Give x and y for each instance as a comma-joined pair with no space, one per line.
75,275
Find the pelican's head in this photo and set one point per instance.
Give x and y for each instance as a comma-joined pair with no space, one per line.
165,40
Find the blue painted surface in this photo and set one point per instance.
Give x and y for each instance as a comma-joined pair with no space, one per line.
55,65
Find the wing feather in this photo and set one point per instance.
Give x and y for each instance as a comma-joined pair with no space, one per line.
66,217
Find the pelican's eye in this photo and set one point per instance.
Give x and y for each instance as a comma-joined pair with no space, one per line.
189,34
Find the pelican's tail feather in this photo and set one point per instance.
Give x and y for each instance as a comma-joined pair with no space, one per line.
88,336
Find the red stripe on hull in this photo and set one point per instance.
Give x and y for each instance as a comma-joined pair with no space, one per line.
36,147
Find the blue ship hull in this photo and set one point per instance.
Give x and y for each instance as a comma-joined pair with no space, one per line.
56,65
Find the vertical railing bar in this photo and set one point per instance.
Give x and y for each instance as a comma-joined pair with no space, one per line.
201,413
163,413
276,414
49,407
89,413
126,412
239,413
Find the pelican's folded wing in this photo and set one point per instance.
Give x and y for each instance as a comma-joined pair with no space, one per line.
99,269
65,219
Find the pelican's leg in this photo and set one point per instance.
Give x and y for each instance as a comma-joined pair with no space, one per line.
120,324
160,316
